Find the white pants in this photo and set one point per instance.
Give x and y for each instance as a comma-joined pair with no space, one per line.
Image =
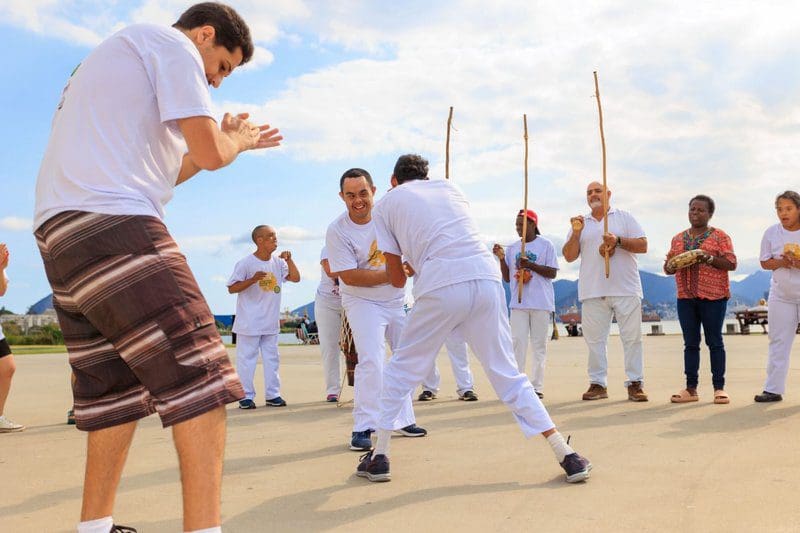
478,310
247,348
531,324
372,326
329,326
782,318
596,318
459,361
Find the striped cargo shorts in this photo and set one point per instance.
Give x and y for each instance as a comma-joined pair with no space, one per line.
140,336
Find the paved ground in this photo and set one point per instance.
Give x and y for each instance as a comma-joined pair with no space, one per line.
657,466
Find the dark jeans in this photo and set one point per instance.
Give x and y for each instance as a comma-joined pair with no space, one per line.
692,312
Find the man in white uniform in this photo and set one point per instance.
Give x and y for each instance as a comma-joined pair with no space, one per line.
604,298
457,287
373,306
328,314
257,281
134,121
459,361
530,318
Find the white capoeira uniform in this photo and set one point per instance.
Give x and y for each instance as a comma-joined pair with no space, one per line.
375,314
783,314
618,295
530,319
257,322
328,315
457,287
459,360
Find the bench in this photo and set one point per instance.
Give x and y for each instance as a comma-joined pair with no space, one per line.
748,318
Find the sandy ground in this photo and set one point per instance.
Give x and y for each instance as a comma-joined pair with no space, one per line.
657,466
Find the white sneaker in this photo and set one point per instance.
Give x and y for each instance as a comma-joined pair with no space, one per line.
7,426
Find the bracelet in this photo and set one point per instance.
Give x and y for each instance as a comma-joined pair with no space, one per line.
619,241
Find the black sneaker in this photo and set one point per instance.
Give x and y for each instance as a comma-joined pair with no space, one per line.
412,430
576,467
768,397
468,396
121,529
374,468
277,401
426,396
247,404
361,441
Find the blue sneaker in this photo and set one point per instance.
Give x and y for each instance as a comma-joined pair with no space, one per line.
374,468
247,404
277,401
576,467
412,430
361,441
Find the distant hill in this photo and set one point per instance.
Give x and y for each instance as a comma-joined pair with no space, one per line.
660,290
41,306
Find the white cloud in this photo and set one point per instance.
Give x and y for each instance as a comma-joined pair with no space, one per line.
16,224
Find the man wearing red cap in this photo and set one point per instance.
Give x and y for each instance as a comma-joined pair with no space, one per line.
530,317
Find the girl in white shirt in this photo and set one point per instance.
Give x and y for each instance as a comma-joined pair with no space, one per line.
780,252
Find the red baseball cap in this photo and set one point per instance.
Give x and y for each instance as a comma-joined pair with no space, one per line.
530,215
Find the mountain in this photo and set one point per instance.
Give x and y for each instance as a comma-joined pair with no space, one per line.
660,290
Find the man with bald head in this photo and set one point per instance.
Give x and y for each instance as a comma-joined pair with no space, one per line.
257,280
619,295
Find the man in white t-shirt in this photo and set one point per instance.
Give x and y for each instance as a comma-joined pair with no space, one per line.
530,318
374,308
328,314
135,120
619,295
257,281
457,287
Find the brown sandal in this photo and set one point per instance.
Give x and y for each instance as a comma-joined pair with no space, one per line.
720,396
685,396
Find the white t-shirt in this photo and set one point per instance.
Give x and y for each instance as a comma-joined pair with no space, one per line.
623,279
115,146
428,222
538,292
258,307
785,283
352,245
328,289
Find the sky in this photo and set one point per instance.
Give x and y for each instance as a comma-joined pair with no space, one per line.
698,98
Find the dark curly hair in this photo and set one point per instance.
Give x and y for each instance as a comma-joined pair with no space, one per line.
410,167
231,30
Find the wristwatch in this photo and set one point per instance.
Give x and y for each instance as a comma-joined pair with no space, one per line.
619,241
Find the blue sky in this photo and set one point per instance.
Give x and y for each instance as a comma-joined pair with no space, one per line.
697,98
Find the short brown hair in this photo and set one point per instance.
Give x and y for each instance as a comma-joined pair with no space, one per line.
230,28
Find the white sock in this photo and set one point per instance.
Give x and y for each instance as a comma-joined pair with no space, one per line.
382,442
100,525
559,446
217,529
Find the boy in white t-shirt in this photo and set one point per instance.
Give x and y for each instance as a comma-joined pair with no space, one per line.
457,286
7,365
530,317
374,308
257,280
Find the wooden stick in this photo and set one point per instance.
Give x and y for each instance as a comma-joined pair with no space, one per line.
520,281
605,187
447,146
